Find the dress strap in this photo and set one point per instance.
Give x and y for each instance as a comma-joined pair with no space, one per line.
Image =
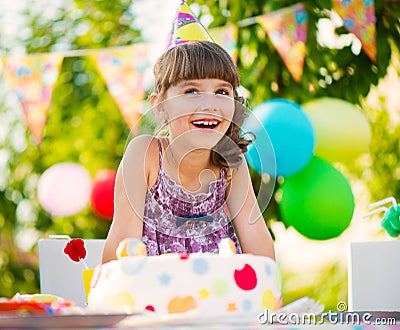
159,153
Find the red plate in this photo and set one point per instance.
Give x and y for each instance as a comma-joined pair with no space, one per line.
45,307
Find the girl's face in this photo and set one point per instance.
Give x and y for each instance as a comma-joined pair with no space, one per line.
199,111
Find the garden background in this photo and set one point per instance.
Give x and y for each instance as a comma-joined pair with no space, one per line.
85,125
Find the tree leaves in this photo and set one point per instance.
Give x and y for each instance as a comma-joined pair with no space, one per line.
85,125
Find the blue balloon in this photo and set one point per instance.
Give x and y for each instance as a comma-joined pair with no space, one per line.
285,138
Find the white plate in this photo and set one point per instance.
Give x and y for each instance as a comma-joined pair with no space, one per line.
59,321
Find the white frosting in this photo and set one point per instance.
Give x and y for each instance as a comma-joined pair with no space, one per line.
172,283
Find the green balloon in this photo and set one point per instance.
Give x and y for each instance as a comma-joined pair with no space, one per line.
317,201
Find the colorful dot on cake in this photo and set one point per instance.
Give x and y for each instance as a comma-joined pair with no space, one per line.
180,305
132,266
165,279
204,294
268,270
150,308
220,288
231,307
268,300
246,278
200,266
184,256
246,305
130,247
124,300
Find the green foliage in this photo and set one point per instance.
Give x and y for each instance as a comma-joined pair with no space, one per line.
315,285
380,170
327,72
84,124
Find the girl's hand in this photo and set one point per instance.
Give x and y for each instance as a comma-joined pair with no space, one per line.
254,236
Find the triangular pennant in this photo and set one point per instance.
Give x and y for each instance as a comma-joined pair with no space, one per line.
287,30
186,27
359,18
123,72
32,78
226,36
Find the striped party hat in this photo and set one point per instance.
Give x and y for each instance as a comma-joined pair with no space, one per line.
186,27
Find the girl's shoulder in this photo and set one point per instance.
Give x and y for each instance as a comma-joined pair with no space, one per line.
144,148
140,145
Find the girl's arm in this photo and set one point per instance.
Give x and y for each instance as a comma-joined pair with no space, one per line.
253,234
129,196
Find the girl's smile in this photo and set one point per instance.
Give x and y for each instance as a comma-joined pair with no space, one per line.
206,123
199,106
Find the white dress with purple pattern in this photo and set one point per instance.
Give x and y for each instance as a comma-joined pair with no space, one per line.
176,221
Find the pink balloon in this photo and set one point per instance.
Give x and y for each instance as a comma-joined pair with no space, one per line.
64,189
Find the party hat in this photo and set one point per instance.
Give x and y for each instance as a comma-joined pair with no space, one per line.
186,27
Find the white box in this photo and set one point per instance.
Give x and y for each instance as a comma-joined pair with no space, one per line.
61,276
374,276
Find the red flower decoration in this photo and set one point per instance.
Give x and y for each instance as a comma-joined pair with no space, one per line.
75,249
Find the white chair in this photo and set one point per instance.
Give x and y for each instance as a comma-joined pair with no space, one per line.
61,276
374,270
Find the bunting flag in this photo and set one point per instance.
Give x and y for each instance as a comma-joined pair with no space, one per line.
32,79
123,72
359,18
287,30
226,36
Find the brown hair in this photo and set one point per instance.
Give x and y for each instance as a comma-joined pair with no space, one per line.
206,60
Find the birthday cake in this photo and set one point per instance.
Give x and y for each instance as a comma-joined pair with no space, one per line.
213,284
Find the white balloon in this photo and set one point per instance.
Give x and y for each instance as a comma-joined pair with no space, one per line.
64,189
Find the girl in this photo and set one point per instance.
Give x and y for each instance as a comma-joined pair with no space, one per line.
173,192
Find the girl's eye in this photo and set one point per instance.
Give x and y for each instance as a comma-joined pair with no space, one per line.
222,92
191,91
